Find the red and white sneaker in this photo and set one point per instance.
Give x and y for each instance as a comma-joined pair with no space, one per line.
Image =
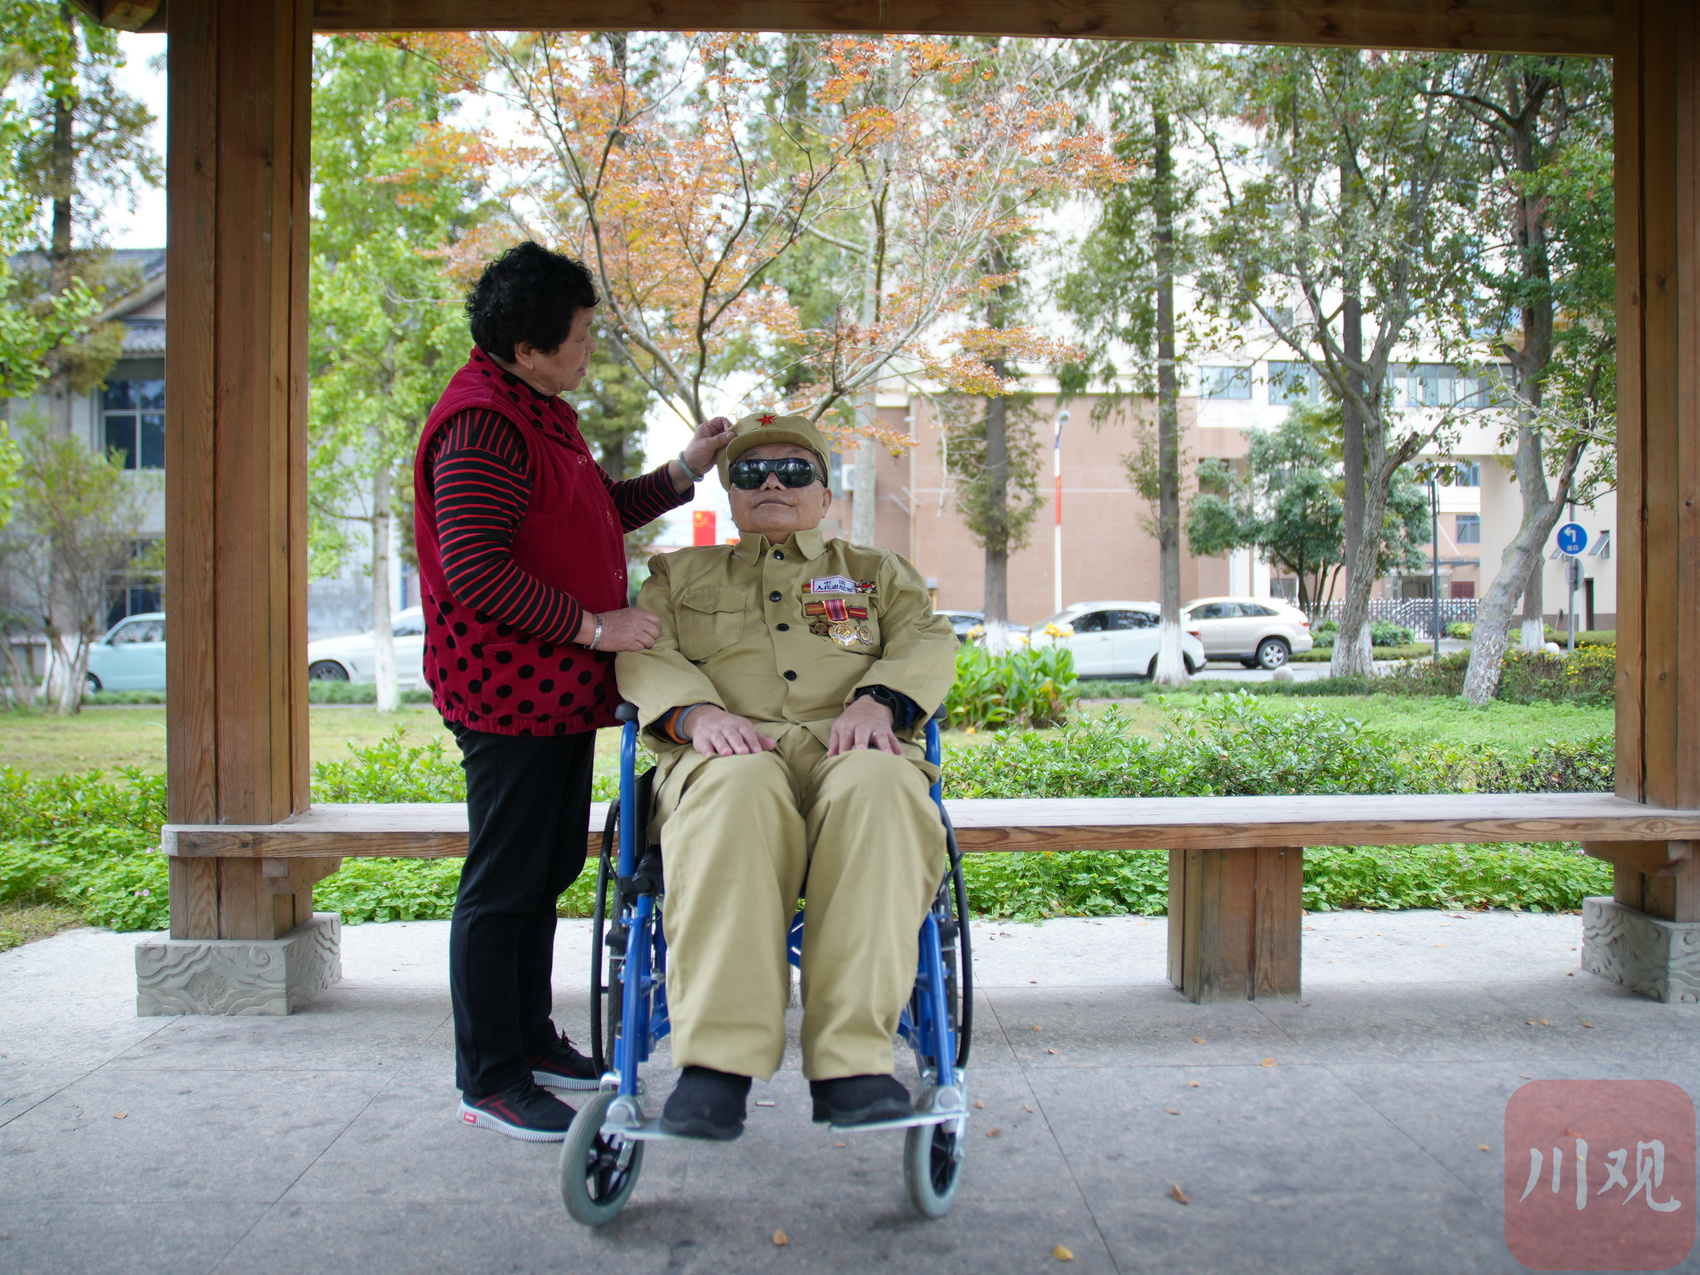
525,1112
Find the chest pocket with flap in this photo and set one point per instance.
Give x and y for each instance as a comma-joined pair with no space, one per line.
709,621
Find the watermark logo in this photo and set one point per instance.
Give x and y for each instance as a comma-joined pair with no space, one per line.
1599,1175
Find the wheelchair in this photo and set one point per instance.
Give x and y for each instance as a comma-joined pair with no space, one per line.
603,1152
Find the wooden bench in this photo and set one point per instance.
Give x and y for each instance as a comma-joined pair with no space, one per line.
1236,864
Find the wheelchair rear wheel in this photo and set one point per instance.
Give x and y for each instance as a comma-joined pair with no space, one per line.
597,1173
932,1166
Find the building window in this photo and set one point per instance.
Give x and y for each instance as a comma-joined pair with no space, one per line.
1467,529
1224,382
133,413
1291,383
1443,385
1467,474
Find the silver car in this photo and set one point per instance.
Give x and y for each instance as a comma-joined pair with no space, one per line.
354,658
1114,639
1258,632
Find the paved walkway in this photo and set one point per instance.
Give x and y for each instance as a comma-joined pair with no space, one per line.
1341,1134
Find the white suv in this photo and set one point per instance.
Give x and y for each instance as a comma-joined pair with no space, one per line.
1258,632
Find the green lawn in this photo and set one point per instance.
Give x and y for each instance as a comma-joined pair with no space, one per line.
1413,719
106,737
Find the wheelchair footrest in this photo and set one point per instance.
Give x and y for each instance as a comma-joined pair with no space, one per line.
940,1105
625,1119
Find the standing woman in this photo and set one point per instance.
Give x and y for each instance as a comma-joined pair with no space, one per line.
522,565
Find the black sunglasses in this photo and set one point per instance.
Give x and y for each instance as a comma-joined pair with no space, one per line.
792,471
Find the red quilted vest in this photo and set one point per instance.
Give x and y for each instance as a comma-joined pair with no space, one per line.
490,676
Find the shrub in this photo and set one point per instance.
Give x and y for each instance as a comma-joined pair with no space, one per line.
321,691
1462,630
1381,633
1029,686
1587,675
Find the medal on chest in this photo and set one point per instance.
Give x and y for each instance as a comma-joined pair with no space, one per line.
845,623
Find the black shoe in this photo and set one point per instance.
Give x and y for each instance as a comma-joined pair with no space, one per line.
524,1112
860,1100
706,1104
559,1066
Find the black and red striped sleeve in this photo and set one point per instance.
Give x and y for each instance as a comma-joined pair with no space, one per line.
480,485
646,498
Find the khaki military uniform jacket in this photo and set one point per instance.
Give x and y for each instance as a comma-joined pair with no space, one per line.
783,636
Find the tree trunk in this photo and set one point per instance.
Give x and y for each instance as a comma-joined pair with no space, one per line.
383,630
1171,657
995,602
1352,651
995,527
1521,566
1534,604
59,266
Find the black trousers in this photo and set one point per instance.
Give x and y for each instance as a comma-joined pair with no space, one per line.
527,806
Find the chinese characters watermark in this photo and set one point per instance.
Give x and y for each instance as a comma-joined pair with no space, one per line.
1570,1146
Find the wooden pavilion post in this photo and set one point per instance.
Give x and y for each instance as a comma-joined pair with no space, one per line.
236,508
1648,934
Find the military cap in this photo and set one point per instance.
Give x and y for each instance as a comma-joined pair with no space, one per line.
770,427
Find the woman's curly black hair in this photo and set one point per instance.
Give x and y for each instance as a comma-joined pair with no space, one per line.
528,294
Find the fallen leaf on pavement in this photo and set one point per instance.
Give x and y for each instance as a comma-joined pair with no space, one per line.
1586,1023
779,1237
1173,1111
1062,1254
1193,1083
994,1131
119,1115
1269,1062
1037,1028
841,1144
1026,1108
979,1106
1050,1051
1482,1146
1178,1195
1198,1040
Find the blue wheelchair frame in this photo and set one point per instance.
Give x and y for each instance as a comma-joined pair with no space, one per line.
939,1037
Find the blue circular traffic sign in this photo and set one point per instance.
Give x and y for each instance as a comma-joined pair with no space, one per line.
1572,538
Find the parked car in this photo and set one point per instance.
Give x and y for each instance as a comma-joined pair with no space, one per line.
1115,639
1258,632
353,658
963,621
131,656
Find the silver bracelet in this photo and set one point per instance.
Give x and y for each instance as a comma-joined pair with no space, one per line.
596,637
686,466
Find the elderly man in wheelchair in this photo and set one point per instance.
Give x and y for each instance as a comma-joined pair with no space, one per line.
782,698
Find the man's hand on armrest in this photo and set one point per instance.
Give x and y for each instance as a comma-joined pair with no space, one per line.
714,732
865,724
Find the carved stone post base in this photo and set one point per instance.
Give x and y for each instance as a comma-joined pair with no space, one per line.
238,976
1647,954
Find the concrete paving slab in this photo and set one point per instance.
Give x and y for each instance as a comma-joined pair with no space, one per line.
108,1237
145,1134
328,1140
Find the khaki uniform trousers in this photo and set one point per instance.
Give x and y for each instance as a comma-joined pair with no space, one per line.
863,831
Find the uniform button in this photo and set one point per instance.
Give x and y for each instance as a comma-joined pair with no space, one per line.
790,675
783,628
778,556
776,596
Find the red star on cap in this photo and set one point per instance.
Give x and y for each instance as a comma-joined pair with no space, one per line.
767,418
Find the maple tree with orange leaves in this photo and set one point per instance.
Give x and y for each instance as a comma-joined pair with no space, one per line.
691,171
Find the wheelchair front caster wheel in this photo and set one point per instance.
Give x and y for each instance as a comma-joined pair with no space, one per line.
932,1166
597,1172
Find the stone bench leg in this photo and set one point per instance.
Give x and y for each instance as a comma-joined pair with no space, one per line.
1647,935
244,939
1234,923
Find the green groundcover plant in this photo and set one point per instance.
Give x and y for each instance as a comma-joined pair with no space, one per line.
90,842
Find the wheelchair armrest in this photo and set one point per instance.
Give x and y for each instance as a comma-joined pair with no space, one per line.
939,715
626,713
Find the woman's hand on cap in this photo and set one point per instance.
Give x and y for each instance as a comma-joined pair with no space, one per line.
706,443
628,629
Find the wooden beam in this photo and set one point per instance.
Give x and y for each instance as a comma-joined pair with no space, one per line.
1520,26
438,830
236,509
